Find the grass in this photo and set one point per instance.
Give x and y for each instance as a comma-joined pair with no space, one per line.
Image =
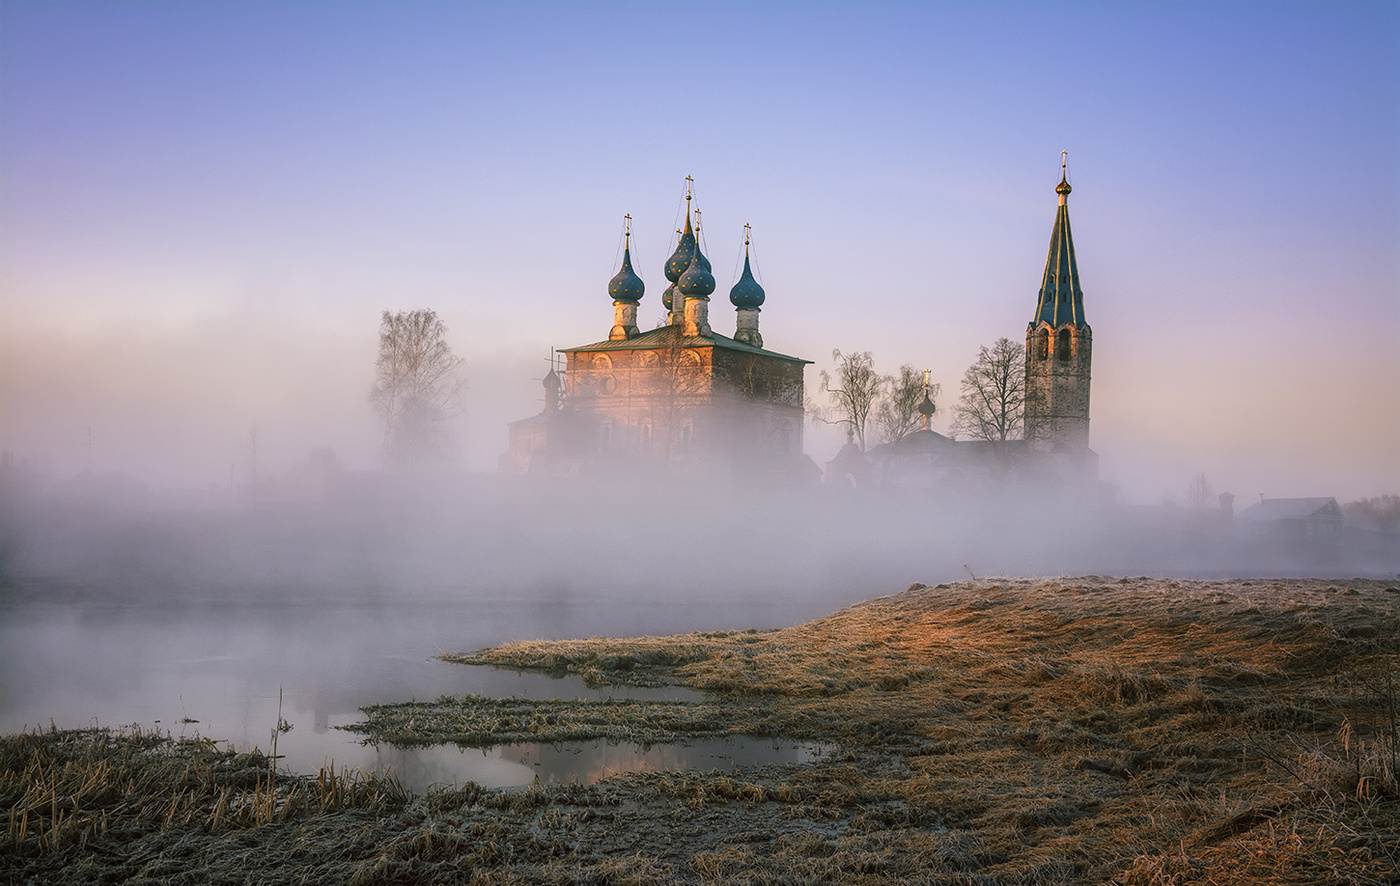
1129,731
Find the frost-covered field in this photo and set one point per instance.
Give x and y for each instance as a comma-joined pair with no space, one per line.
1084,730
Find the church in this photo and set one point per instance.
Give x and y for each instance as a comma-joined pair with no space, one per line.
1054,441
680,396
685,396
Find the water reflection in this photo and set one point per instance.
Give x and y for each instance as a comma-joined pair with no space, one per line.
228,673
584,762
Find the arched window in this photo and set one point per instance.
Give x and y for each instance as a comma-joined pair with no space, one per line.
1062,345
1042,344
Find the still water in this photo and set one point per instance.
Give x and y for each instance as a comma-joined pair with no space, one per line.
225,672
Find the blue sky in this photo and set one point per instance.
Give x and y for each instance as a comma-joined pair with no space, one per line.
205,206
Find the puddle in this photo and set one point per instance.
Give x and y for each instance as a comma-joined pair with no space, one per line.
585,762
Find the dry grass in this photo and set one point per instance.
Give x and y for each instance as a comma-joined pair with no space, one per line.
994,732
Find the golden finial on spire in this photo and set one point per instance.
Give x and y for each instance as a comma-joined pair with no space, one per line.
627,229
746,238
688,182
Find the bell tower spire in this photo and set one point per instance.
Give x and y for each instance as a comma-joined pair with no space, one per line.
1059,345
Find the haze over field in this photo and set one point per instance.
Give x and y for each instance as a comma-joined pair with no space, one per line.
205,207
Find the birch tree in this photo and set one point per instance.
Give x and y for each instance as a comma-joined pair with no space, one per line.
857,388
418,388
993,402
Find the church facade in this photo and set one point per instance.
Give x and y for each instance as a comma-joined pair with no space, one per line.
681,394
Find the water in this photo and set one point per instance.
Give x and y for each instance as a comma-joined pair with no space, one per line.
224,672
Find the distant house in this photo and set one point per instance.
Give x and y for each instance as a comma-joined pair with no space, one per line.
1292,518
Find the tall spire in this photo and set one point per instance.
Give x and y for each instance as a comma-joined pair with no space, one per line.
1061,300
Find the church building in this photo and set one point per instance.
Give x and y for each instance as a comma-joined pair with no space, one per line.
1054,444
1059,346
678,396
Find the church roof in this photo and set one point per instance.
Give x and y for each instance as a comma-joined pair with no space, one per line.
1271,509
697,281
626,286
1061,301
665,337
746,293
679,261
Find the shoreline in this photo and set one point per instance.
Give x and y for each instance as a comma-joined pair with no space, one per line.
1082,730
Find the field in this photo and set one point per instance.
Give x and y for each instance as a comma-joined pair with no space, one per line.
1087,730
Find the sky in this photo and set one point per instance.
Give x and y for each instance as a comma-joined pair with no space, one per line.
204,208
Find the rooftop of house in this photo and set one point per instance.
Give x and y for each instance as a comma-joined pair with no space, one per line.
1291,509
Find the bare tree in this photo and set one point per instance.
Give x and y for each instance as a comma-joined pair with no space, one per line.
993,402
1199,494
417,389
1381,512
858,388
897,412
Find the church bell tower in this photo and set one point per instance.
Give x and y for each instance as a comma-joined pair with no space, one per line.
1059,347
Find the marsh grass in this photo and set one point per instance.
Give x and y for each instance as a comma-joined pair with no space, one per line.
987,733
1131,729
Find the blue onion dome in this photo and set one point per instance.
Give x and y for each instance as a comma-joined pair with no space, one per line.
697,281
666,297
626,286
685,250
746,293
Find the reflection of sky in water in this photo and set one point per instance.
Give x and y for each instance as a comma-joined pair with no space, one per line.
217,673
585,762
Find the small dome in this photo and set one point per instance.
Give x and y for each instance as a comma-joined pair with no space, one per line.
1063,187
666,297
926,408
685,250
746,293
626,286
551,381
697,281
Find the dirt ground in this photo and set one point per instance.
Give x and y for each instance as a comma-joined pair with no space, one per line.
1086,730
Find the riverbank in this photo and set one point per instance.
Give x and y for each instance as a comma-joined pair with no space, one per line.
992,732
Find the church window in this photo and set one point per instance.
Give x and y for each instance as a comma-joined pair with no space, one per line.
1042,344
1062,346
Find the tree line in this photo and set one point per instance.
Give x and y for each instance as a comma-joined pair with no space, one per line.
885,408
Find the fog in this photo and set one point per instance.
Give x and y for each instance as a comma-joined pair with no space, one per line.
311,586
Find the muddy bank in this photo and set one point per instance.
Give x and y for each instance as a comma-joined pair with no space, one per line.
1081,731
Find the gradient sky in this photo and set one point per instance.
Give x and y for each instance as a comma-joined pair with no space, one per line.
205,206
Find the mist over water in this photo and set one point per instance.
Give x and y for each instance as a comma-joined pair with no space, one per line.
205,617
